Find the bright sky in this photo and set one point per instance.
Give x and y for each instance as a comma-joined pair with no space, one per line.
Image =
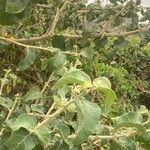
145,3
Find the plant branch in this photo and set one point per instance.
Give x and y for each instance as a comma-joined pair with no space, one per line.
10,111
98,138
1,88
50,110
13,107
111,20
50,49
51,28
94,35
43,6
54,115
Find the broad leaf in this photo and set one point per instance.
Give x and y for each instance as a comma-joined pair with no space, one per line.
102,82
63,130
38,108
58,41
6,102
103,85
16,6
123,144
100,42
44,134
130,119
61,146
127,143
27,61
58,60
8,18
21,140
121,42
33,94
88,119
73,77
130,125
143,137
25,121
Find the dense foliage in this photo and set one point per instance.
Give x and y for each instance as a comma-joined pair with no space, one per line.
74,76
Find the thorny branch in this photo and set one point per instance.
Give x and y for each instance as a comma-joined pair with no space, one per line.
50,31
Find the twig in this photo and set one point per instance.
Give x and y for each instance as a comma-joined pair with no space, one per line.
3,81
111,20
50,49
33,25
50,110
42,6
47,83
13,107
54,115
10,112
1,88
13,41
98,138
94,35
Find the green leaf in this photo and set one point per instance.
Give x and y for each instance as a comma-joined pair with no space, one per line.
121,42
100,42
44,134
16,6
6,102
61,146
130,125
103,85
33,94
73,77
123,144
7,18
63,130
27,61
25,121
58,60
144,137
102,82
58,41
21,140
38,108
88,119
131,119
127,143
145,146
113,1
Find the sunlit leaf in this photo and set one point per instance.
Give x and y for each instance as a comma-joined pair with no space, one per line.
103,85
73,77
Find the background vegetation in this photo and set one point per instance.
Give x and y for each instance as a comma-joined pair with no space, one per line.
74,76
